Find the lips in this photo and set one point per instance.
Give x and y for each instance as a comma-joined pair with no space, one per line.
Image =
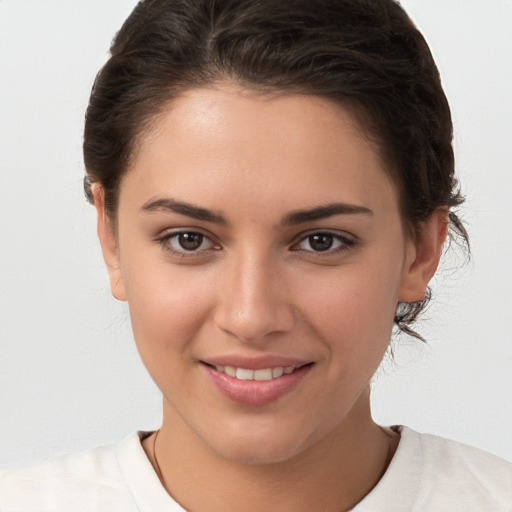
256,382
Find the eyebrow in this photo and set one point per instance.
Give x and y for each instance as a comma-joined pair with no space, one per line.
182,208
295,217
323,212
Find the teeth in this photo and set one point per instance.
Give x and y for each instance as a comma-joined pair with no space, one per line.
277,372
243,374
228,370
264,374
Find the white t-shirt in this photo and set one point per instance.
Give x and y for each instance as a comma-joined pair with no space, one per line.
427,474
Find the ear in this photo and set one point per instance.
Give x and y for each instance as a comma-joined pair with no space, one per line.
109,246
423,256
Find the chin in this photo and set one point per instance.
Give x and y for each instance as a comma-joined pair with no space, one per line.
259,454
259,447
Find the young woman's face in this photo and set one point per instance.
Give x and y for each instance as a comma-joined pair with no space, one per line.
257,236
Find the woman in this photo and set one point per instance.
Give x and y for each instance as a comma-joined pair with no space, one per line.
274,184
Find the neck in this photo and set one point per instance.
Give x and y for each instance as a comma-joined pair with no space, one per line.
332,475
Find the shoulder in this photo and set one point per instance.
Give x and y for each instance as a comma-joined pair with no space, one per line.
481,468
456,467
452,474
82,482
433,474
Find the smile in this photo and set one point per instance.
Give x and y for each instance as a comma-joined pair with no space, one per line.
256,387
263,374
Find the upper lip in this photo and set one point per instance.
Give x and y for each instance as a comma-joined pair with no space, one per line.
255,363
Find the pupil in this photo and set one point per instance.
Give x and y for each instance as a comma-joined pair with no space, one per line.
190,241
321,242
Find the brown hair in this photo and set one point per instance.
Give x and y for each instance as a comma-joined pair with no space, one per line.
365,54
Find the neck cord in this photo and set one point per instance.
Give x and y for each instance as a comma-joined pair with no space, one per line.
158,470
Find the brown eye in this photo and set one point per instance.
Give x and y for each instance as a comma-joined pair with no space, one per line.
187,242
190,241
324,242
321,242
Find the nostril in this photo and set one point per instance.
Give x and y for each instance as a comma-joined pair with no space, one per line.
256,323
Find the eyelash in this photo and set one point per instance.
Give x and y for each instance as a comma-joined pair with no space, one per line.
165,240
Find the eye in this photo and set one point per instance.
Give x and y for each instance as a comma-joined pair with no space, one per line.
184,242
323,242
188,241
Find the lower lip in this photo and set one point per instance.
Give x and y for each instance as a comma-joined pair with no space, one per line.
255,392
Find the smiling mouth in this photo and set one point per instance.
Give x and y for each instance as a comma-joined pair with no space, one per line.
256,387
248,374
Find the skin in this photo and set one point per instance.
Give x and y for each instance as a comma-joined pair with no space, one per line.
257,286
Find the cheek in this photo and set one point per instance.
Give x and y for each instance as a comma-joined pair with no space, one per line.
168,306
353,308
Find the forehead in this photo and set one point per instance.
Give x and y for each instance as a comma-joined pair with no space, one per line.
279,148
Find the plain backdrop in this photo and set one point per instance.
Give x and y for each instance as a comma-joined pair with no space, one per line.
70,377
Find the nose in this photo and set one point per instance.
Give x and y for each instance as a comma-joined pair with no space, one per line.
253,302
